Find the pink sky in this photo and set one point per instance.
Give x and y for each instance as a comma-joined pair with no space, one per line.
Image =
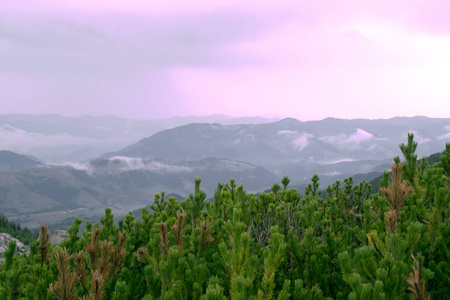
151,59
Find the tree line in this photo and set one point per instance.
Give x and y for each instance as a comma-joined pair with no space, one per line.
25,235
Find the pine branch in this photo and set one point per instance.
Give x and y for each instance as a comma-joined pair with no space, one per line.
44,240
92,247
416,284
177,229
163,239
64,287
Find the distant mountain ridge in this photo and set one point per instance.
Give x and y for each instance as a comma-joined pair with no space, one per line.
288,146
60,139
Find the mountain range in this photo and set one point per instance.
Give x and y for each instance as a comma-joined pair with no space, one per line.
294,148
59,139
256,152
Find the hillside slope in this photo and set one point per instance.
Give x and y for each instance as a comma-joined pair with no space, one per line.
55,193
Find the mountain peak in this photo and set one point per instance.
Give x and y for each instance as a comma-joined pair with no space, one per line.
288,121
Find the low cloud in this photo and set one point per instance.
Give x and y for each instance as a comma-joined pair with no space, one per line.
81,167
353,139
335,173
132,163
341,160
121,164
418,137
302,141
360,136
128,163
445,135
287,132
14,139
299,140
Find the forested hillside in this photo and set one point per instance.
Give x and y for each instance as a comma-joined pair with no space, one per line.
15,230
276,245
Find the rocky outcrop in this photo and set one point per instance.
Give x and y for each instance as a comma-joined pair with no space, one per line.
58,237
4,242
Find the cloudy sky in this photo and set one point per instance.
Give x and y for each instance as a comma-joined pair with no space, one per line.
154,59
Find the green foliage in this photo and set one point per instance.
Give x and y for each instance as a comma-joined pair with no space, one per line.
346,243
313,187
408,151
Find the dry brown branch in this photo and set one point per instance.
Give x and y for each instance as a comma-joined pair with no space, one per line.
112,259
141,252
177,229
416,284
97,286
163,238
80,268
44,239
92,248
205,238
391,220
398,190
105,266
118,255
64,287
395,196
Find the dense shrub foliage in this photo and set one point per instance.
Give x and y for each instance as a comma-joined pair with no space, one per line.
355,244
